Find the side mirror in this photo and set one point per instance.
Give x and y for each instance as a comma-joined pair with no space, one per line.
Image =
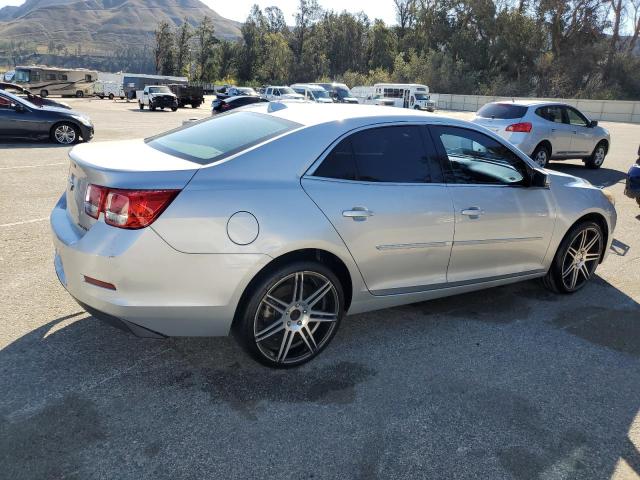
593,124
18,107
539,179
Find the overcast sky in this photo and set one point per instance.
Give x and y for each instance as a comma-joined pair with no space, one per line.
239,9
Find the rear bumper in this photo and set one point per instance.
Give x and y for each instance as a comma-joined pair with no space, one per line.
159,291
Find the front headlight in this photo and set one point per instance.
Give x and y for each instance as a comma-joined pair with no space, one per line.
609,196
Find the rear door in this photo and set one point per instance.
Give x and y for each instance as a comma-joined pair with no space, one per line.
555,129
502,226
382,190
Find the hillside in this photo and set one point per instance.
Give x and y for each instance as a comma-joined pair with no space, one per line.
102,25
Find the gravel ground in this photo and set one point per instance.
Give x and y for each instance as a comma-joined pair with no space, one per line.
512,382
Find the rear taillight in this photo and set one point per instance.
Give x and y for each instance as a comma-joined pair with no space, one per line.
524,127
94,200
131,209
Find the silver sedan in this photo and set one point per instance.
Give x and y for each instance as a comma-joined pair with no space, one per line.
276,220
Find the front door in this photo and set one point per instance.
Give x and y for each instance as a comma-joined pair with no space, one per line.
582,141
502,226
382,190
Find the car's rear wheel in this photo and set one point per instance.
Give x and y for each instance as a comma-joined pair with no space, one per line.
577,258
111,96
597,157
79,94
65,133
541,156
173,109
291,315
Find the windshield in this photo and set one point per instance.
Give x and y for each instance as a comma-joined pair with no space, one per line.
21,76
221,136
422,96
502,111
15,99
320,93
343,93
162,89
246,91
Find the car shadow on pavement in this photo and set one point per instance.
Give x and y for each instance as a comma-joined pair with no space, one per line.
602,177
512,382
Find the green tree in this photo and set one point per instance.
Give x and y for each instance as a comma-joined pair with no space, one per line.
183,48
205,41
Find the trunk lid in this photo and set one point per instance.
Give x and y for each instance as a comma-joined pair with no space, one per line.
130,164
498,116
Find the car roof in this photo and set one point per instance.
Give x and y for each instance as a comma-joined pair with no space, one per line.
308,86
311,113
527,103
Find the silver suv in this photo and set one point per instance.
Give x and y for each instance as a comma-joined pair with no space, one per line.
547,130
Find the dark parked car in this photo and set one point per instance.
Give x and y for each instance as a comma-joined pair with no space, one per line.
220,106
22,92
20,118
188,94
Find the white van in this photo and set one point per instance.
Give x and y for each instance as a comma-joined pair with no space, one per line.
403,95
313,93
272,93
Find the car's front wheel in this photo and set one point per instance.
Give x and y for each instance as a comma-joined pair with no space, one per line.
65,133
576,259
291,315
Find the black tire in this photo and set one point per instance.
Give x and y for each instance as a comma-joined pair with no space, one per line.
65,133
173,109
44,93
560,275
79,94
101,97
141,106
638,201
541,156
596,159
111,96
296,322
195,105
152,108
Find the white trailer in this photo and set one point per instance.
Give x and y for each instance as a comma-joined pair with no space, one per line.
109,90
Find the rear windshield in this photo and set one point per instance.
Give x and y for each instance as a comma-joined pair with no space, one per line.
502,110
221,136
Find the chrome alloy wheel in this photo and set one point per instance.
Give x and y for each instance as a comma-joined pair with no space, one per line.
581,258
598,156
65,134
296,317
541,157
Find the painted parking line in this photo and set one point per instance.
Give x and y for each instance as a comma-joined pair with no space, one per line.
25,222
33,166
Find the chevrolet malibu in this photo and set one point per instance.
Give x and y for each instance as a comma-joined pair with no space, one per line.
276,220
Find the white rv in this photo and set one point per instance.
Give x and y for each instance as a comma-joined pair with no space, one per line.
403,95
47,81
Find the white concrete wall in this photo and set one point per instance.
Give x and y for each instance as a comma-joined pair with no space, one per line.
608,110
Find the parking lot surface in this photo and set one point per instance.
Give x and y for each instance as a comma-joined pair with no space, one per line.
513,382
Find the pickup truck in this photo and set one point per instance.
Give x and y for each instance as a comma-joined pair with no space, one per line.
188,94
157,96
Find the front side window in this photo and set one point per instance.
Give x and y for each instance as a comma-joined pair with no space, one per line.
387,154
221,136
5,103
475,158
22,76
575,117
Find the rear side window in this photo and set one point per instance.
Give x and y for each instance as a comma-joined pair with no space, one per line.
502,110
552,113
387,154
219,137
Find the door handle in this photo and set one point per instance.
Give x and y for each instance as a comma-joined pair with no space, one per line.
472,212
358,214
